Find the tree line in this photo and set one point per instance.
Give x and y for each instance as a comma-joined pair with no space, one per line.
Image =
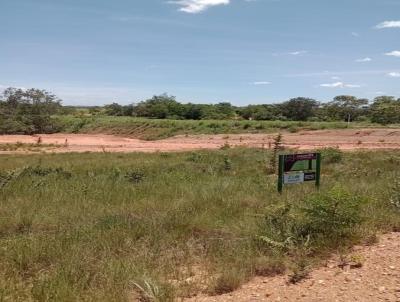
383,110
30,111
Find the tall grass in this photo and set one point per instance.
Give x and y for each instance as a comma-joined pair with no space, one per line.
151,129
120,227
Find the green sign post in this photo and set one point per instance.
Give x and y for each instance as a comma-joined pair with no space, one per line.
299,168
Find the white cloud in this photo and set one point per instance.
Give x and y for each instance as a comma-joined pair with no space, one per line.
339,85
363,60
394,74
389,24
395,53
355,34
352,86
197,6
335,78
297,53
262,83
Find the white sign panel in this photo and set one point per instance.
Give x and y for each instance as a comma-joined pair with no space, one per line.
293,178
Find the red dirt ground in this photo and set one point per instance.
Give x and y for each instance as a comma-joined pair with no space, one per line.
377,280
346,139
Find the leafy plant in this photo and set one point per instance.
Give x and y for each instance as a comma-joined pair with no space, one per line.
332,214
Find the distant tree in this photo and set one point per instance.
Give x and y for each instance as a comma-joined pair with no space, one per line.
299,109
161,107
220,111
28,111
114,109
346,108
385,110
225,109
193,111
259,112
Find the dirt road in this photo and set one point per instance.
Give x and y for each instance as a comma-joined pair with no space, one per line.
377,280
346,139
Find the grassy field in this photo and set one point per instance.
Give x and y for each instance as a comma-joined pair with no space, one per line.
123,227
157,129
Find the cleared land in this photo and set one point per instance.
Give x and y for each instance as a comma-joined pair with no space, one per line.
345,139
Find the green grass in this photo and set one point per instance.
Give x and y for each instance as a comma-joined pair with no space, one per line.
157,129
112,227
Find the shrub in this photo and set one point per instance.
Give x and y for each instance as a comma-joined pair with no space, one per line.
327,217
135,176
331,155
332,214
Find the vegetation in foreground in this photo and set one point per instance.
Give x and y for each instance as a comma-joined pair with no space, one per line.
120,227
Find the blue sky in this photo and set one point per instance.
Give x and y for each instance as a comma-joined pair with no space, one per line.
243,51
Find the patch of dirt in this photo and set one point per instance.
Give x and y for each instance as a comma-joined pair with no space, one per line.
345,139
378,279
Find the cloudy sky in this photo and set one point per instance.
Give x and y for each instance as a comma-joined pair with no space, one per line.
243,51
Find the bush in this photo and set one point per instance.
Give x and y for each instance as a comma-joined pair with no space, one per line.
331,155
332,214
323,217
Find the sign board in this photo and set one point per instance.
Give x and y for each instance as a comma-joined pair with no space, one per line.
293,178
299,168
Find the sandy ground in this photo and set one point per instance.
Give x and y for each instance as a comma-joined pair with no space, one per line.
347,139
377,280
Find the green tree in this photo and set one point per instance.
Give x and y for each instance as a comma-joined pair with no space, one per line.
28,111
114,109
346,108
193,111
385,110
161,107
299,109
259,112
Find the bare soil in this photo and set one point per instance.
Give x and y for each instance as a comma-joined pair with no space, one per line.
378,279
345,139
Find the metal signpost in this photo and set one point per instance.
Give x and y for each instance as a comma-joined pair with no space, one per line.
299,168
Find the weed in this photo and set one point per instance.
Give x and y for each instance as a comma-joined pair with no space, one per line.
277,147
227,163
269,266
300,272
331,155
135,176
228,281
